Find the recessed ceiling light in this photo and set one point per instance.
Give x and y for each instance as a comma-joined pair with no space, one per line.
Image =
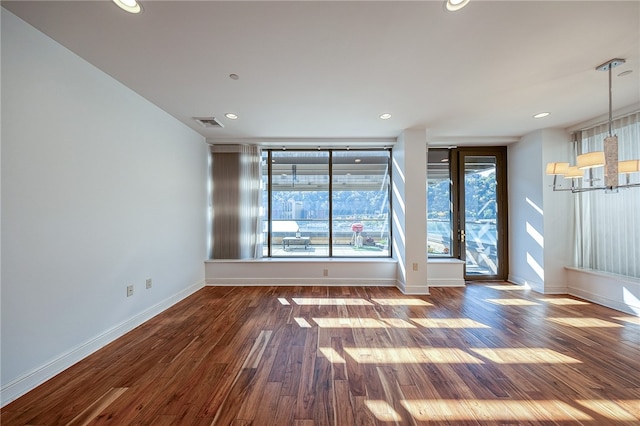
357,160
454,5
131,6
385,116
233,76
541,114
623,73
231,116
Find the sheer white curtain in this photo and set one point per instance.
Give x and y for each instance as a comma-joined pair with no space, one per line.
608,224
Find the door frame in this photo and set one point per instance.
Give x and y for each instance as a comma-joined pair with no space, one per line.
458,195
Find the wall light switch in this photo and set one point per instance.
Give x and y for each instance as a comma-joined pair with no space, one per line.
415,266
129,290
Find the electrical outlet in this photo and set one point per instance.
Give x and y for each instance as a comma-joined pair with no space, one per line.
415,266
129,290
325,272
149,283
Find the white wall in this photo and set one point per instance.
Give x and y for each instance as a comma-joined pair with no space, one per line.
100,189
540,230
558,214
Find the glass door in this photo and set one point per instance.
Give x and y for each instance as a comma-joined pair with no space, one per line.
481,213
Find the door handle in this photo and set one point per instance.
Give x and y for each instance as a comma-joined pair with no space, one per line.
462,235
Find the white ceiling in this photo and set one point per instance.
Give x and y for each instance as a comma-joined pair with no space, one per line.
314,70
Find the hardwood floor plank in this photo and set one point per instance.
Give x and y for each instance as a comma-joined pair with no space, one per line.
230,406
343,412
285,410
323,407
336,356
392,391
485,354
362,415
96,408
258,393
195,393
290,381
266,404
306,397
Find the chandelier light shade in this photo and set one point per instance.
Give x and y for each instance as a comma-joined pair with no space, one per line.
629,166
607,158
557,168
591,160
574,172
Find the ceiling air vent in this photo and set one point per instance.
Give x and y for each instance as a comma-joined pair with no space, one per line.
209,122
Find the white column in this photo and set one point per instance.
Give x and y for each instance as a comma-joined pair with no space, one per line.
409,200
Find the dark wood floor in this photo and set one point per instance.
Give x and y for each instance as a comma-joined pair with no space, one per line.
482,355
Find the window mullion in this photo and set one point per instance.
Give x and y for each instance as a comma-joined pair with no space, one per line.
330,203
270,201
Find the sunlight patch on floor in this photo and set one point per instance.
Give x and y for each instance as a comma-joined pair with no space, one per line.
325,301
397,323
448,323
383,411
401,302
303,323
411,356
562,301
509,287
457,410
610,409
512,302
524,356
585,322
332,355
362,323
630,320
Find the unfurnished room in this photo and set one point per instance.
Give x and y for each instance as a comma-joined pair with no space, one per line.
320,212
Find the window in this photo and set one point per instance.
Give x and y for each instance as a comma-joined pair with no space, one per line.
326,203
607,225
439,213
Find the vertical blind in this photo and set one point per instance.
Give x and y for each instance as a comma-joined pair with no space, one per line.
608,224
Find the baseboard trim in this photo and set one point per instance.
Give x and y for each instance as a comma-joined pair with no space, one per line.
415,290
446,282
604,301
536,286
556,290
20,386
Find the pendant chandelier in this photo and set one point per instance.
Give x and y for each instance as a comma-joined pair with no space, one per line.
607,158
